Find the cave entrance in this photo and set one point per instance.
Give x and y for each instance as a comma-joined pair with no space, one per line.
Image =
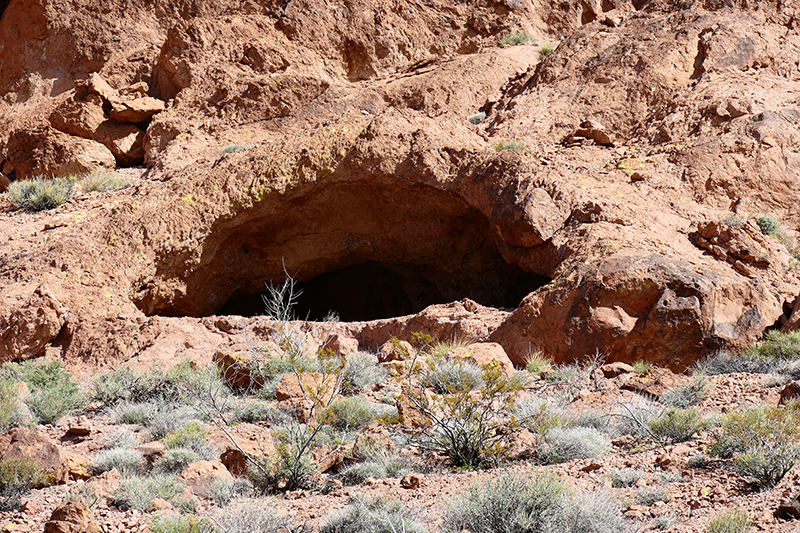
372,291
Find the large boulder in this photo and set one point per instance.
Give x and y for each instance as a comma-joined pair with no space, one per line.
51,458
28,330
46,151
73,516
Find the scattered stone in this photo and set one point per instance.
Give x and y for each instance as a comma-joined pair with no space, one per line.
80,427
656,382
612,370
412,481
200,476
151,451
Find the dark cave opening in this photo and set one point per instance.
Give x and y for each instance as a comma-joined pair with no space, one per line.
372,291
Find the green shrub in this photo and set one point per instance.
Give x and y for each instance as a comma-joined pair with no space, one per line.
650,495
511,145
730,521
372,515
135,413
123,438
174,460
192,433
664,522
451,376
765,464
537,363
768,225
253,516
361,371
172,418
40,194
139,493
545,51
752,427
236,148
290,466
590,419
676,425
777,346
101,181
511,503
261,411
10,406
379,467
642,367
540,415
349,413
566,444
513,39
17,476
686,395
128,462
53,394
178,523
590,512
473,427
627,477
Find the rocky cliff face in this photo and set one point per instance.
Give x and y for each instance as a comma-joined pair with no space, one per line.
653,136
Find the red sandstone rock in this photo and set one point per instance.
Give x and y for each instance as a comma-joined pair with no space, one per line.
484,353
72,517
200,477
28,329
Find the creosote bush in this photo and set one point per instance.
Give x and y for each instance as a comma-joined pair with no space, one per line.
372,515
10,406
128,462
352,412
626,477
777,346
768,225
40,194
686,395
675,425
179,523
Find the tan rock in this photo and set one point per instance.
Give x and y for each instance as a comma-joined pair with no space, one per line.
49,152
97,85
310,391
395,351
4,181
327,457
412,481
200,477
23,442
137,110
236,370
72,517
235,456
106,484
612,370
151,451
28,330
160,504
484,353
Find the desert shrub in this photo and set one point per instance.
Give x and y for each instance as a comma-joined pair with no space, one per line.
139,493
675,425
777,346
40,194
537,363
179,523
699,460
372,515
590,419
729,363
545,51
472,427
511,503
128,462
290,466
252,516
733,221
768,225
261,411
752,427
236,148
17,476
730,521
765,464
540,415
642,367
10,405
664,522
513,39
172,419
141,413
122,438
351,412
565,444
174,460
590,512
650,495
451,376
53,394
686,395
511,145
626,477
477,118
378,467
633,418
101,181
361,371
191,434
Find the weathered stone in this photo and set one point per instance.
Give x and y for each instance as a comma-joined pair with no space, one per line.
49,152
200,477
30,328
72,517
137,110
52,459
612,370
484,353
790,392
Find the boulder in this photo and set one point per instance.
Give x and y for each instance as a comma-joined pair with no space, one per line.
27,331
484,353
49,152
395,351
99,86
306,392
236,370
23,442
137,110
72,517
88,121
612,370
790,392
200,477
